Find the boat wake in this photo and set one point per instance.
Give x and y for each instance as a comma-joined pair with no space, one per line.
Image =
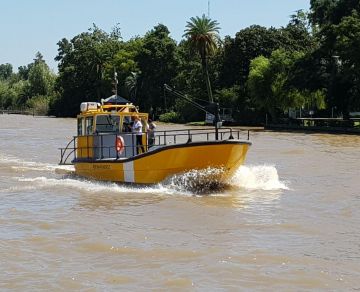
19,165
35,175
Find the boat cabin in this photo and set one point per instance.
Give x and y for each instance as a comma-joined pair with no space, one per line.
105,131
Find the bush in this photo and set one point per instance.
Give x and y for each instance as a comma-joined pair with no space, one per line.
170,117
39,105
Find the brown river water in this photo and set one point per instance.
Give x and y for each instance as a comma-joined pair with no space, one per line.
289,220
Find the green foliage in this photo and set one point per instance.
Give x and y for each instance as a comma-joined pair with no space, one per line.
31,80
238,52
202,35
329,12
84,73
269,86
318,97
131,85
259,82
312,63
41,79
188,112
189,77
338,25
158,63
23,71
5,99
6,71
39,104
170,117
228,97
125,65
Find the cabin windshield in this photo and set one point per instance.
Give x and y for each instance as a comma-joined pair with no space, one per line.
107,123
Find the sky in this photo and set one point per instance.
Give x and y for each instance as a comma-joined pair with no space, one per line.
29,26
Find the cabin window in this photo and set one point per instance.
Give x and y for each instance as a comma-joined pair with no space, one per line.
80,126
107,123
89,122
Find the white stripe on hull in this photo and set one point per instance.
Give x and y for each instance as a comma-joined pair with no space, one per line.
129,172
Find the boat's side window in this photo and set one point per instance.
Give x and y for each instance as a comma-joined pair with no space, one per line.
89,122
80,126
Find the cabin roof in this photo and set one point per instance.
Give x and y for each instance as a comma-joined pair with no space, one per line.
115,99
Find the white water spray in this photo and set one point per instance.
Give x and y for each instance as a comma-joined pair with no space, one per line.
207,181
258,177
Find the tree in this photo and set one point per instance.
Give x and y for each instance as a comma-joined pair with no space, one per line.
41,79
189,77
131,84
6,70
259,84
329,12
338,25
298,34
202,33
347,62
238,52
158,62
83,73
125,65
23,71
270,88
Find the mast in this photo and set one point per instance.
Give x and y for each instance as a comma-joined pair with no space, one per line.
115,83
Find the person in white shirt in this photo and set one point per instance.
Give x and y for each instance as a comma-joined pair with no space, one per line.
137,129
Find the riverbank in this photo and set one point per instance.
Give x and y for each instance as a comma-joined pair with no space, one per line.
317,129
17,112
292,128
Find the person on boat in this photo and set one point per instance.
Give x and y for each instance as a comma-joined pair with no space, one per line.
137,130
151,132
127,124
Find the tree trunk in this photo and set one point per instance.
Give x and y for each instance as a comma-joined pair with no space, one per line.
207,79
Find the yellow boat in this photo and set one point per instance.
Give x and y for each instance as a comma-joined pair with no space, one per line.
105,149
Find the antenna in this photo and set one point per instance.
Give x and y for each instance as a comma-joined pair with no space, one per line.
208,8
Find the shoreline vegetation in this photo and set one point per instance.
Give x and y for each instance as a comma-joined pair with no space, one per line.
259,128
302,76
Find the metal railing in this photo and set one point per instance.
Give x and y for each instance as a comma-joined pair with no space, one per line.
162,138
197,135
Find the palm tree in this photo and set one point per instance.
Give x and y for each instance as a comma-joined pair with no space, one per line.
202,34
131,84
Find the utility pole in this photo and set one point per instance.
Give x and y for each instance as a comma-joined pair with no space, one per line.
208,8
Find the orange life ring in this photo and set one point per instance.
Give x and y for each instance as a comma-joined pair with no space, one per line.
119,144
